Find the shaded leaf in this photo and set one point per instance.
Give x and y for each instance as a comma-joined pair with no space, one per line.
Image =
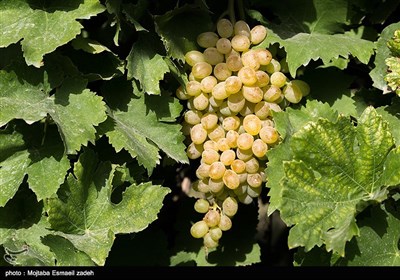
73,108
305,32
43,27
88,218
45,165
145,64
176,28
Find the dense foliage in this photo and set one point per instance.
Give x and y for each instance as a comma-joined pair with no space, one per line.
94,168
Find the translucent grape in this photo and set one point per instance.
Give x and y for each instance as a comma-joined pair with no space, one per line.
209,120
217,170
252,124
213,56
207,39
252,94
225,223
236,102
233,84
231,179
224,45
230,206
241,28
227,157
278,79
231,123
245,141
198,134
259,148
193,116
209,242
199,229
201,205
252,165
258,34
212,218
215,233
216,185
194,151
201,70
238,165
209,156
247,75
207,84
269,134
240,43
224,28
192,57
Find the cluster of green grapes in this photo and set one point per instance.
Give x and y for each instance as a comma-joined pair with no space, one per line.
231,92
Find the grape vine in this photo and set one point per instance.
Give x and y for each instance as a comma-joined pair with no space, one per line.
233,87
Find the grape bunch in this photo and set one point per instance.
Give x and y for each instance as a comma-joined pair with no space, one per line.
232,89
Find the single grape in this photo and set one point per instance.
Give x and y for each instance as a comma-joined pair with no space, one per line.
258,34
207,39
215,233
224,28
225,223
201,70
201,205
217,170
224,45
209,156
231,179
212,218
240,43
209,242
199,229
192,57
230,206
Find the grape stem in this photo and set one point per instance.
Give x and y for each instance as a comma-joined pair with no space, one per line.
242,15
231,11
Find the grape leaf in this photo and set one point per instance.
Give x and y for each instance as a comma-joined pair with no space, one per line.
392,116
94,60
145,64
85,215
24,246
45,166
287,123
337,170
379,72
65,252
377,244
180,27
43,27
138,130
73,108
314,31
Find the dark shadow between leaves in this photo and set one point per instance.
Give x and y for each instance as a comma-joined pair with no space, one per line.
51,6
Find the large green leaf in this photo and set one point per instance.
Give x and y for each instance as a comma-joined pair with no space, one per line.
378,243
145,64
43,26
305,32
337,170
45,165
136,127
85,215
73,108
379,72
287,123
